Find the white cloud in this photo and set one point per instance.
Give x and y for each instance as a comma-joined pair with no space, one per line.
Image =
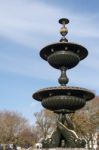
32,22
25,22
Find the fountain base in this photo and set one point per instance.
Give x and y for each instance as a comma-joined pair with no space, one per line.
64,135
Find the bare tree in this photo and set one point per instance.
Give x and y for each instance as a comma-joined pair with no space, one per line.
87,121
12,124
26,138
45,123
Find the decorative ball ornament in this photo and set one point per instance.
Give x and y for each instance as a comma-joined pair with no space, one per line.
63,31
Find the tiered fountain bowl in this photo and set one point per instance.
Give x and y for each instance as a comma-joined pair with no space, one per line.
63,55
63,97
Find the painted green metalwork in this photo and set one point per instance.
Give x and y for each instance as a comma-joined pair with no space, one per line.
63,100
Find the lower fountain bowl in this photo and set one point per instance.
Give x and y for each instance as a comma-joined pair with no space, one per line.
63,102
63,97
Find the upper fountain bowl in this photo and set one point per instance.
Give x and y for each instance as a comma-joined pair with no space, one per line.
63,54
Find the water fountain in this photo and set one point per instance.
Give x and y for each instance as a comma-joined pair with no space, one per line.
63,99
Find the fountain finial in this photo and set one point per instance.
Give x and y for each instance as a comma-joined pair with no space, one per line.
63,30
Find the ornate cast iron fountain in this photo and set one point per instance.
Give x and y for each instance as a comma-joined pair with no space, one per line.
63,99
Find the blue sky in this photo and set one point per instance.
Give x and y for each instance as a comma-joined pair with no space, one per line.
26,26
